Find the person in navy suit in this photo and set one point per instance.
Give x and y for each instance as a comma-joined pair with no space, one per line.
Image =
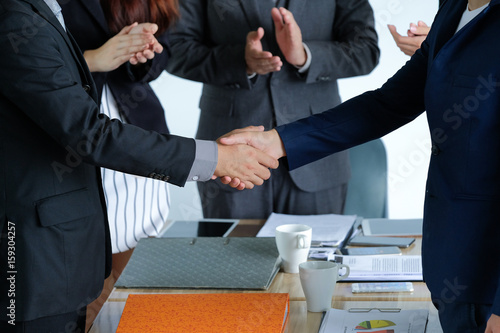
455,76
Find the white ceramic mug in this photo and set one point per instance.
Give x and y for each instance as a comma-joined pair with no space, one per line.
293,242
318,279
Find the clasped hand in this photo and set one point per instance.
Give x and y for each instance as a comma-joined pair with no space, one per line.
245,156
289,39
135,43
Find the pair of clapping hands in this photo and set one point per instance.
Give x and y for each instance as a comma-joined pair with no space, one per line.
246,155
135,43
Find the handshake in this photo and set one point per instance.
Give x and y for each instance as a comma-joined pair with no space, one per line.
245,156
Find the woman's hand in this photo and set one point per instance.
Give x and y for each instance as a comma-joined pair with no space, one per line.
154,47
119,49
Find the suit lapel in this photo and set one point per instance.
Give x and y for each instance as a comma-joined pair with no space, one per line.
83,68
95,10
45,12
296,7
448,26
252,13
452,16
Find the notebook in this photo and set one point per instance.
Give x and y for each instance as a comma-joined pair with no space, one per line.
203,262
217,313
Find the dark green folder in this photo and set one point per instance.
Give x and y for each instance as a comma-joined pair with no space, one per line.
202,263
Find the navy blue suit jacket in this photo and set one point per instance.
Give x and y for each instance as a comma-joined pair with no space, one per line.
456,78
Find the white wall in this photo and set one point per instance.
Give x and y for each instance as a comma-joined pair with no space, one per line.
408,148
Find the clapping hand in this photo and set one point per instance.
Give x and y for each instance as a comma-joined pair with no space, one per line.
154,47
411,43
257,60
289,36
135,43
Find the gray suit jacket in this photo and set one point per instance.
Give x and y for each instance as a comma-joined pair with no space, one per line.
208,45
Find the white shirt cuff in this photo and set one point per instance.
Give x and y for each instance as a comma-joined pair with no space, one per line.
306,66
205,161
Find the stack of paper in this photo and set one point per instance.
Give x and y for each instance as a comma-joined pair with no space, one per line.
330,229
382,268
210,313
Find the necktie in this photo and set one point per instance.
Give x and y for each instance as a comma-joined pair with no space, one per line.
56,9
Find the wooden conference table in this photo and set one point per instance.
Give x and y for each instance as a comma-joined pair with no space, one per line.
300,321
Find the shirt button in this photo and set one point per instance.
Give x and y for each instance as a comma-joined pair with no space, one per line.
195,178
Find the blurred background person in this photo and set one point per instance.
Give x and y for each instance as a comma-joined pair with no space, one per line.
122,66
416,34
270,63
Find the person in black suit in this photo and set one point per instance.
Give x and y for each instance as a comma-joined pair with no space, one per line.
55,248
137,207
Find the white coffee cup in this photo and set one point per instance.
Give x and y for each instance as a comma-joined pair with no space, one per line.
318,279
293,242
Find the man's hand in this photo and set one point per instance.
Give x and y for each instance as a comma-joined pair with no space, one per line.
244,166
411,43
118,50
493,325
153,47
269,141
259,61
289,37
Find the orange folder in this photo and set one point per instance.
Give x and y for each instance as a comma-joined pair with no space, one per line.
205,313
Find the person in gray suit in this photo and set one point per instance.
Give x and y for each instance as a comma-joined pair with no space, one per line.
262,64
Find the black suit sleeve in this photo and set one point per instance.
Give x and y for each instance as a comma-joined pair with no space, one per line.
40,77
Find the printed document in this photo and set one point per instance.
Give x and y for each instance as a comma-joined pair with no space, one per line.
382,268
330,229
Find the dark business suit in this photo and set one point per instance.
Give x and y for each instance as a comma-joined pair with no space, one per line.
208,45
129,84
52,138
456,78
